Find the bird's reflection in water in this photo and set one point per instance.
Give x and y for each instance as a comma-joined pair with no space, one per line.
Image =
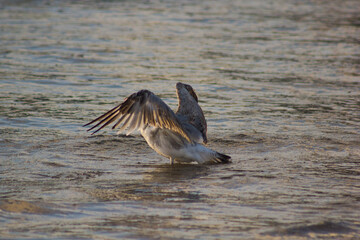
160,183
166,173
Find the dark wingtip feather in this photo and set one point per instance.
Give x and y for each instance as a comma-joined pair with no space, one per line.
223,158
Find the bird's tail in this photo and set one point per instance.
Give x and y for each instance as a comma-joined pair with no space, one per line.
203,155
222,158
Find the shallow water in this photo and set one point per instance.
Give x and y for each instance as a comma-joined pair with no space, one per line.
279,83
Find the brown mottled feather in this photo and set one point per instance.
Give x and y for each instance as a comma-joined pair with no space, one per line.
137,111
188,107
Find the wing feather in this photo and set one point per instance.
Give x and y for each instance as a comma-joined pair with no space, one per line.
139,110
126,123
103,116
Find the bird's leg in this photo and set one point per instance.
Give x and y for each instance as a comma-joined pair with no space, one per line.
171,161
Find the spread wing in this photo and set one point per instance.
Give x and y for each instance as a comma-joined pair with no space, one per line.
139,110
189,110
198,121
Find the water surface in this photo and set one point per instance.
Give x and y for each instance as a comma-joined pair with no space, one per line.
279,83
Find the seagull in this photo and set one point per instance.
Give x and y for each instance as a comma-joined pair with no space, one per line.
179,136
